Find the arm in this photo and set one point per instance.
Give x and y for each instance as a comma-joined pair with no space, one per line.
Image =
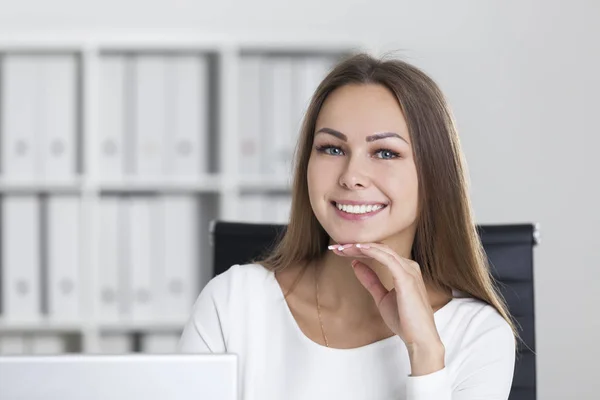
483,368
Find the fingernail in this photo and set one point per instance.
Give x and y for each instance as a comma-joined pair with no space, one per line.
347,246
340,248
363,246
331,247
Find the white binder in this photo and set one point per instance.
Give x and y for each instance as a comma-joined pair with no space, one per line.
20,120
145,258
276,92
63,257
110,253
13,344
281,205
307,73
116,343
250,117
160,343
182,270
111,149
275,208
21,258
58,117
47,344
187,104
150,116
252,208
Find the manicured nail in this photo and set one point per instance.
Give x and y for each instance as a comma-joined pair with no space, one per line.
331,247
341,248
363,246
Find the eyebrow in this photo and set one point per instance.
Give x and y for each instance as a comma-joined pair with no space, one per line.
372,138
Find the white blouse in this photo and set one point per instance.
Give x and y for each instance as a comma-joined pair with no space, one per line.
243,311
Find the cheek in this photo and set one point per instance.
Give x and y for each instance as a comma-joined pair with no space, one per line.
403,186
319,174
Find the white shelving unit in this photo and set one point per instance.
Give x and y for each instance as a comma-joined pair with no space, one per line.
225,184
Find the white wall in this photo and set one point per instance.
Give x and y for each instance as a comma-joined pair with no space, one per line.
523,78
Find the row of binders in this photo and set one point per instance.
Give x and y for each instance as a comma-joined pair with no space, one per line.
264,208
274,93
155,114
152,116
38,343
148,265
110,343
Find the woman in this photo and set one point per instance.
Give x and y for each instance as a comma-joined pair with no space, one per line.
379,288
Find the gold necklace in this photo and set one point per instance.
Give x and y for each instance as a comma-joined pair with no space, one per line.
319,307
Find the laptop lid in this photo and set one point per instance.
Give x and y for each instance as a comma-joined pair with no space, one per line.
119,377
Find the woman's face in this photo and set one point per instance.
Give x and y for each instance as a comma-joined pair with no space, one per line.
362,161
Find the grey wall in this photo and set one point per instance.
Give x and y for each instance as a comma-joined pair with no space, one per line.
523,78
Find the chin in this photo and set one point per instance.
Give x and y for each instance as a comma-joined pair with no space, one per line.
349,237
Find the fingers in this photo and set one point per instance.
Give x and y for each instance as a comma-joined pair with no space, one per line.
402,269
404,272
369,279
409,265
387,259
354,251
348,250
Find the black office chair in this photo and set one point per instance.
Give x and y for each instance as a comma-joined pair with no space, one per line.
509,249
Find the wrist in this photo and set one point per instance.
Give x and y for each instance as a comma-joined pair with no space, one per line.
426,358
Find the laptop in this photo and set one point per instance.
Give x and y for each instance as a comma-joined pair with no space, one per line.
119,377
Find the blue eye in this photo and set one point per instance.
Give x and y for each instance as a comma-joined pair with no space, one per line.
387,154
330,150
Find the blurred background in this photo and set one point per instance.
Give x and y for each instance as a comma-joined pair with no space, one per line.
125,127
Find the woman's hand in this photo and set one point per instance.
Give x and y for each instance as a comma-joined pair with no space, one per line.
405,308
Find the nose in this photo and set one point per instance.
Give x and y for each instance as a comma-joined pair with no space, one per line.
354,176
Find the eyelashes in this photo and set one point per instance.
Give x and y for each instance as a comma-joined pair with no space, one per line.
326,147
332,150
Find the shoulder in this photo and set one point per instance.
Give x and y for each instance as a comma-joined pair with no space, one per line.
231,294
223,302
238,281
474,323
474,315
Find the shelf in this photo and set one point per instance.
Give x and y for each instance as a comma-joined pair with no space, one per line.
38,186
78,327
308,41
265,183
40,326
201,184
149,326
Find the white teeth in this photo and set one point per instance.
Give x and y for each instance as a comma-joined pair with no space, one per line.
359,209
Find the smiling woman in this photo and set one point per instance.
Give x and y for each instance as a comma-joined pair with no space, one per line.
380,288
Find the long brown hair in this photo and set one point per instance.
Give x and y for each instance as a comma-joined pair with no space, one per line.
447,245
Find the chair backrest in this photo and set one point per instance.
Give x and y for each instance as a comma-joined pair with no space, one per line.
509,249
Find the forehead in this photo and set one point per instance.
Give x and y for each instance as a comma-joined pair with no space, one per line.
362,110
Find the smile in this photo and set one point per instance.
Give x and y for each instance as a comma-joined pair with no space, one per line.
358,211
